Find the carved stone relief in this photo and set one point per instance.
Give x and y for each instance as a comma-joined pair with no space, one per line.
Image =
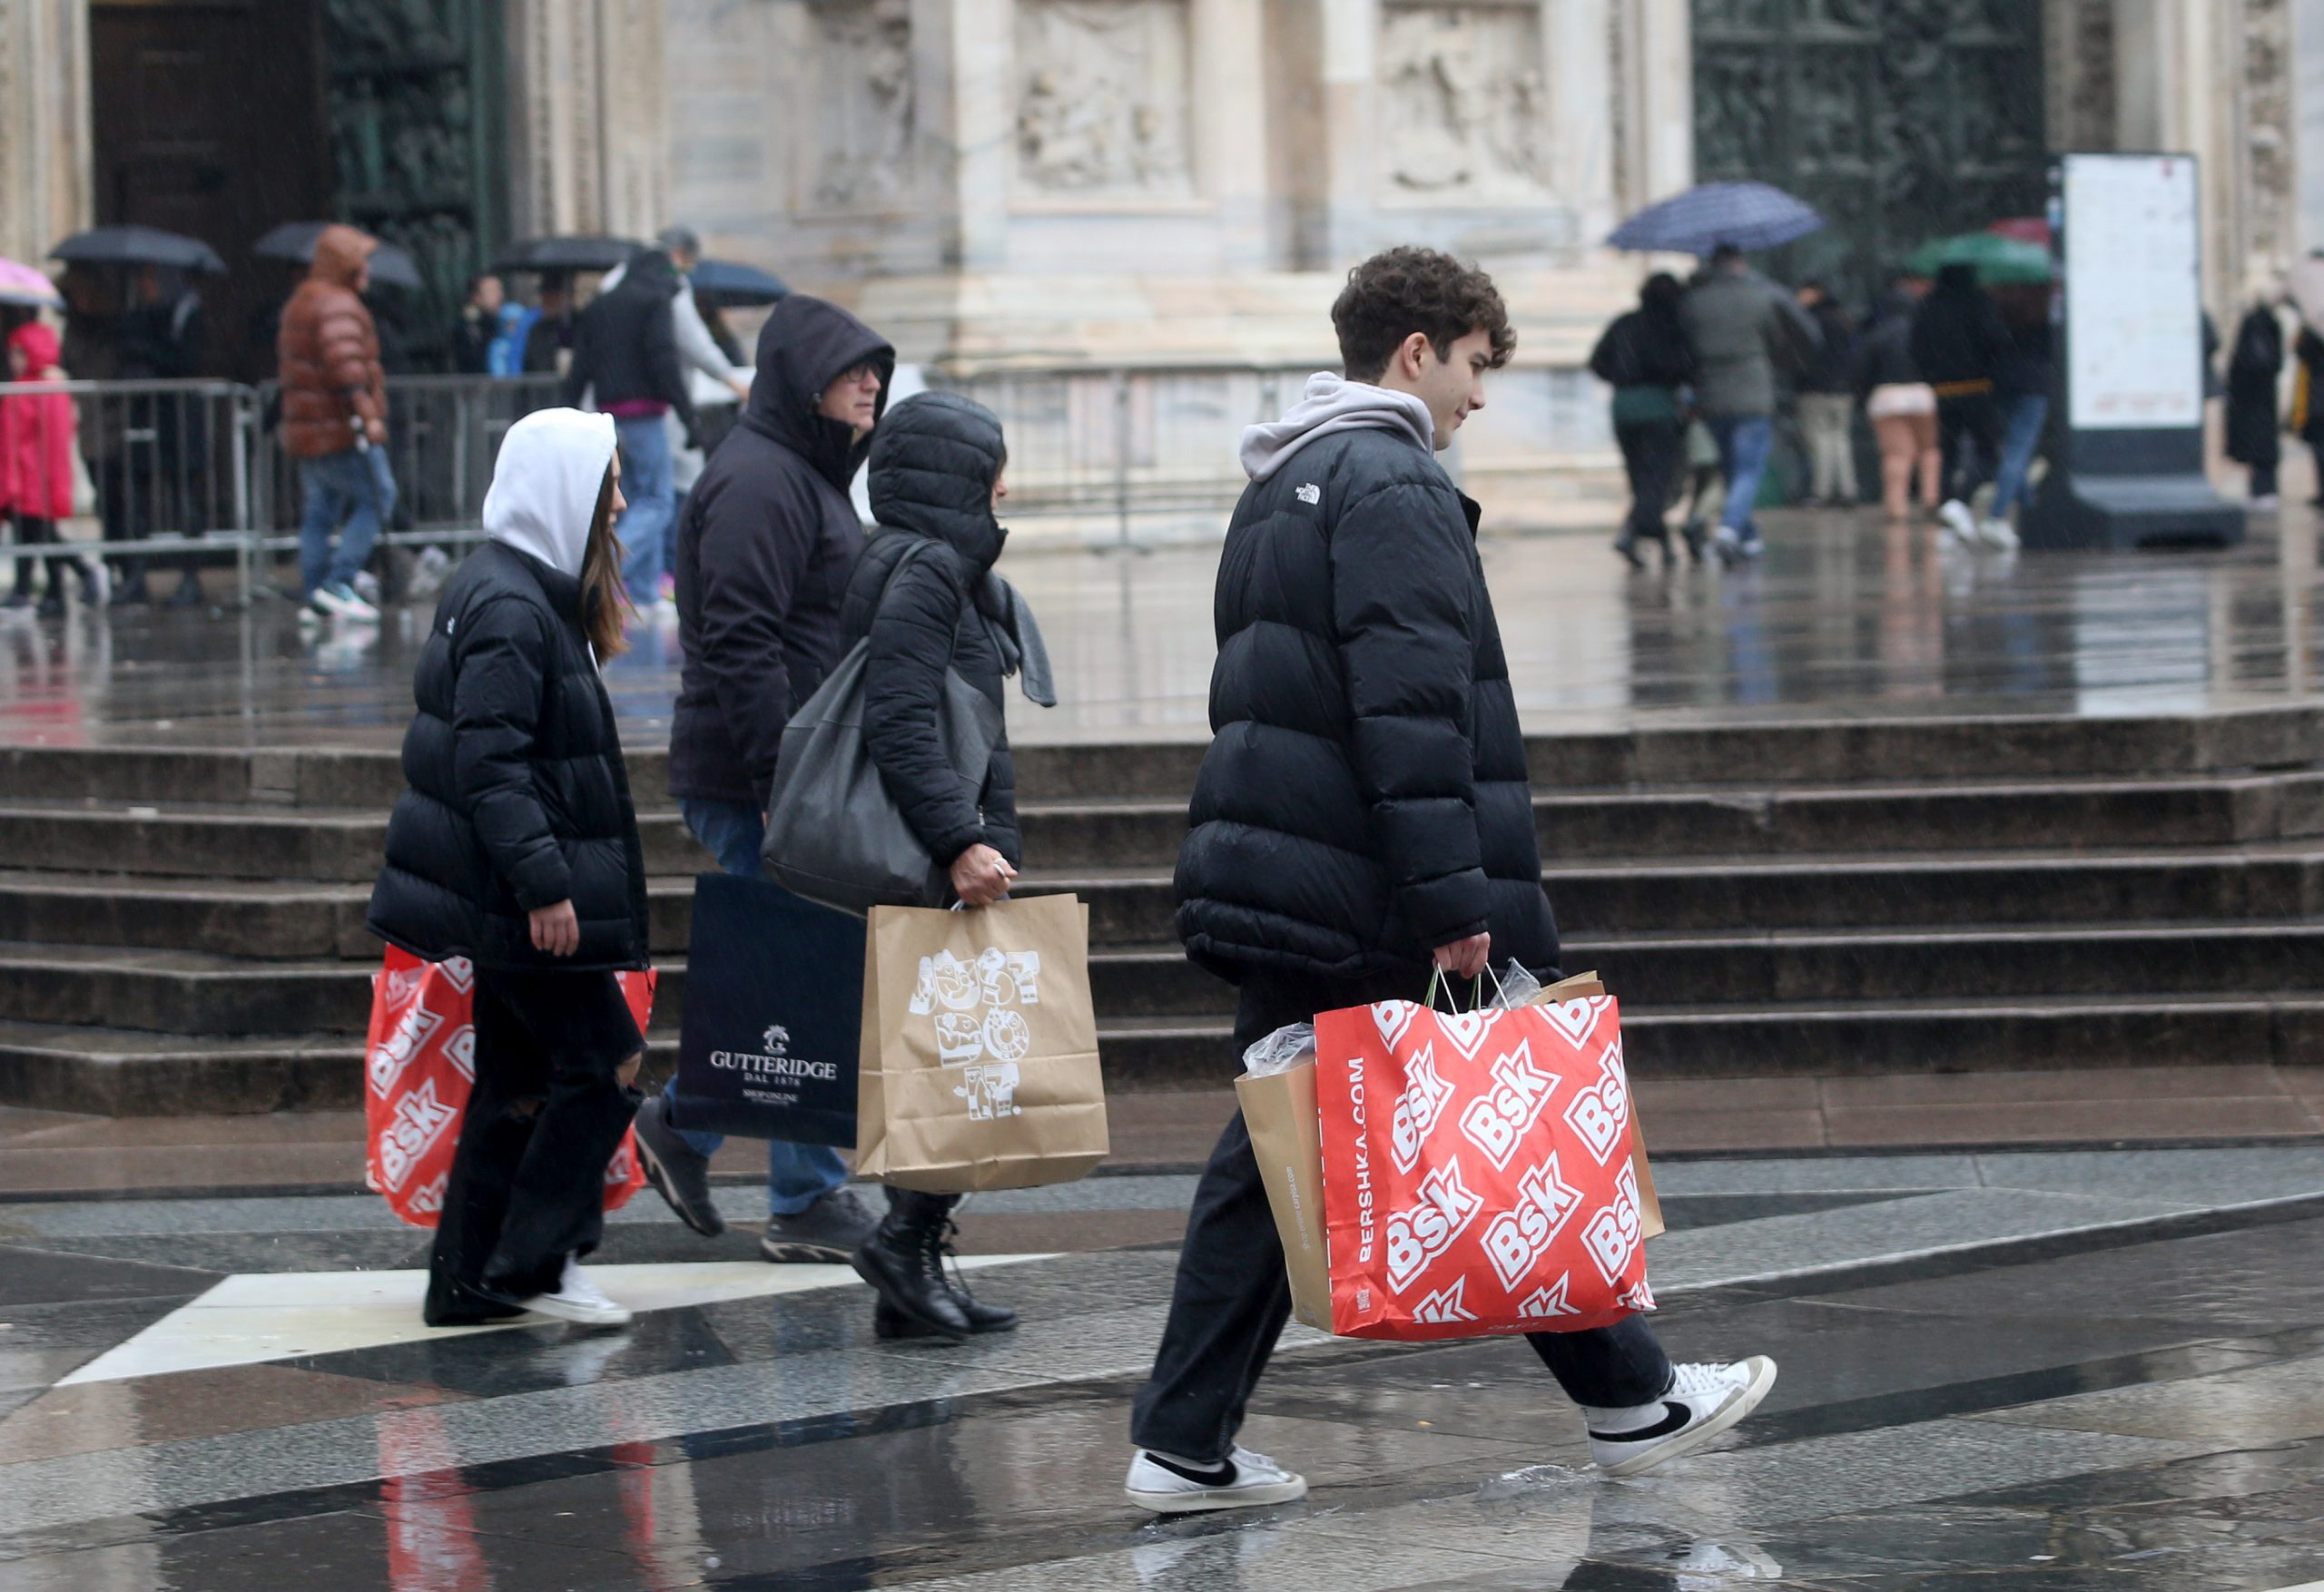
2267,119
1465,102
867,112
1102,98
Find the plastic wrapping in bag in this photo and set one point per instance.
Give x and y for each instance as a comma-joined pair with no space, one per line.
1280,1051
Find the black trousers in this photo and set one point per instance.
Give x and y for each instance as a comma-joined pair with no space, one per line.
546,1114
1652,454
1232,1298
1968,431
40,532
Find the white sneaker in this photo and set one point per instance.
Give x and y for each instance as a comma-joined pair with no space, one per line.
1998,533
1959,521
577,1299
97,581
1243,1481
340,602
1703,1401
367,587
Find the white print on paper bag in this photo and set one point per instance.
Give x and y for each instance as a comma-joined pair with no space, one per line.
1497,1121
979,1022
1417,1236
1417,1109
1547,1303
1600,1113
1443,1308
1612,1236
1517,1239
404,1041
420,1120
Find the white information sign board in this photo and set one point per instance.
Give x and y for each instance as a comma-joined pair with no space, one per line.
2133,292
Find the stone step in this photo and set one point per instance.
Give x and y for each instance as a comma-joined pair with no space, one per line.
275,919
112,1072
341,845
181,992
1825,748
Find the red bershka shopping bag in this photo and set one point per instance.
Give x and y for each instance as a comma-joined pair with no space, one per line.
418,1064
1477,1173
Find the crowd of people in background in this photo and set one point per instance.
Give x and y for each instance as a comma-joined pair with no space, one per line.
1950,376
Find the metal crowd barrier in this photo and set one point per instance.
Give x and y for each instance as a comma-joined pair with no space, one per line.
188,468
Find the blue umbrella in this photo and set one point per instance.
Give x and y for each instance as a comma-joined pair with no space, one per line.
731,282
1748,215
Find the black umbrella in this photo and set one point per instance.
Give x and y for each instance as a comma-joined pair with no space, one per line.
563,254
138,246
391,267
729,283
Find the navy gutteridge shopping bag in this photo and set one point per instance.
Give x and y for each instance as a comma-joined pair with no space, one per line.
773,1016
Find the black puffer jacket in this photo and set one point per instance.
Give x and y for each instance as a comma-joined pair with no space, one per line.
766,547
625,344
518,796
933,467
1365,799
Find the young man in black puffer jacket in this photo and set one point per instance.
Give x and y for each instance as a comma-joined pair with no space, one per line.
1363,812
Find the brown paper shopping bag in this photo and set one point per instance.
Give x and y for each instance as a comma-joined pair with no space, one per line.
1286,1137
1588,986
979,1061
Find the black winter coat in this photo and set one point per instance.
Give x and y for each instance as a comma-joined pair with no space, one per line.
1365,799
1958,335
518,796
1834,365
933,467
624,344
767,545
2253,367
1642,349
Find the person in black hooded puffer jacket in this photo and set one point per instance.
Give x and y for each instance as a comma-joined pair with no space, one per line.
515,846
926,599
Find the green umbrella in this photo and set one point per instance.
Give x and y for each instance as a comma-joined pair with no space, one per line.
2000,261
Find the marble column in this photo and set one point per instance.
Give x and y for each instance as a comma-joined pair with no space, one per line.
45,187
1657,101
589,130
2307,124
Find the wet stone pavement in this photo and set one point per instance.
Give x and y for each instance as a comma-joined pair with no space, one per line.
2034,1371
1846,616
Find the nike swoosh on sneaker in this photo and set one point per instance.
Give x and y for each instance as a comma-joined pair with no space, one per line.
1675,1417
1223,1476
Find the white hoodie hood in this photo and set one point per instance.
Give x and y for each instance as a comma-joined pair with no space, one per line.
545,485
1332,403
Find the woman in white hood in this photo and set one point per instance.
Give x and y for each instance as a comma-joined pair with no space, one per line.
517,847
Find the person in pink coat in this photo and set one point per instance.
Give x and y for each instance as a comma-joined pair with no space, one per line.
37,433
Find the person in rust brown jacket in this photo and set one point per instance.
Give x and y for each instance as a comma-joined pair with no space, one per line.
334,421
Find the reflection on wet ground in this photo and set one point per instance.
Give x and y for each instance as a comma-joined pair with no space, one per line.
2128,1401
1847,615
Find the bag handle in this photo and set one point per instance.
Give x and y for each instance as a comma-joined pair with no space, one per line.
1476,990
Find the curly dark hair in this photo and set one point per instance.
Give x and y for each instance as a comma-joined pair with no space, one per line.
1400,291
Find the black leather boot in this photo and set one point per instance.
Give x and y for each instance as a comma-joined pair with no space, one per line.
904,1262
981,1318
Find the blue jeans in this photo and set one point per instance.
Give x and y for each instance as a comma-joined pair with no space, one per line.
1744,443
645,526
797,1176
352,494
2021,437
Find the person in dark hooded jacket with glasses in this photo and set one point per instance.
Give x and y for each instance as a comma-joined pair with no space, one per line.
766,547
926,599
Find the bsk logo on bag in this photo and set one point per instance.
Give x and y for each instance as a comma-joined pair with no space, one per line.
420,1118
459,972
1548,1301
461,1051
428,1199
1422,1102
1499,1119
1576,1019
1417,1236
1443,1308
1640,1299
1392,1018
1612,1236
1600,1113
1467,1031
1516,1240
412,1030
